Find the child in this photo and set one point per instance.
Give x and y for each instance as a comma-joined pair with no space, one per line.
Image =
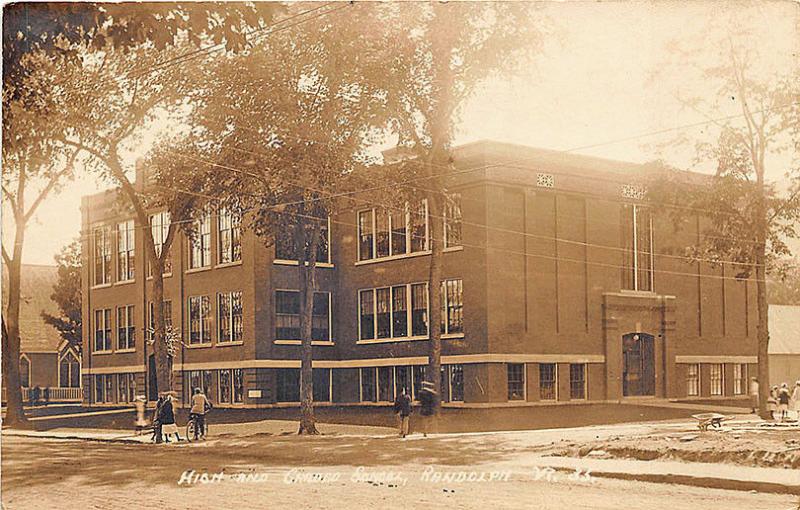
772,401
796,399
783,401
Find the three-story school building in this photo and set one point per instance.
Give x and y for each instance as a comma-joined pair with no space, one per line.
561,284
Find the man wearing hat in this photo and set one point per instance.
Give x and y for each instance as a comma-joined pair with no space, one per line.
427,397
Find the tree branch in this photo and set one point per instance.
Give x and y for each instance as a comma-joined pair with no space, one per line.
50,185
6,258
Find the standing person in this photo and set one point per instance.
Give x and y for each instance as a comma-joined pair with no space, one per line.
167,419
426,399
157,433
772,401
754,394
402,406
783,401
796,399
140,422
200,405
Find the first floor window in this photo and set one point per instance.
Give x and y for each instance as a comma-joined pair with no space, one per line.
547,381
516,381
199,320
717,378
456,383
229,317
693,380
368,387
386,384
402,380
322,384
739,378
126,388
288,384
225,386
452,307
238,385
109,390
24,372
126,330
577,381
69,371
102,330
200,379
99,388
419,376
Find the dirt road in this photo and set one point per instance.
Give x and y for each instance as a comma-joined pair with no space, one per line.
325,472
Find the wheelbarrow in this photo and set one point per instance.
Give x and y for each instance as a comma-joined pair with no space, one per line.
713,420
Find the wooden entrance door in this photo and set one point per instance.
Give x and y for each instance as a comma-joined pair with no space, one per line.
638,365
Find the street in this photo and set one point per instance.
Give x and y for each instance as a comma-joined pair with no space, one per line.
329,472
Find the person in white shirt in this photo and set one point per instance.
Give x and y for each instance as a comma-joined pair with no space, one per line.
796,400
200,405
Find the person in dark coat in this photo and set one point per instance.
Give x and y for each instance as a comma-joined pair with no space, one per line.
427,397
167,420
157,435
402,406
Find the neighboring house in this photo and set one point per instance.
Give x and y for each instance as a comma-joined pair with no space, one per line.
46,360
784,344
561,285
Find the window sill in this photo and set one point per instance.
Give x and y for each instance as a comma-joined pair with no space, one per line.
453,248
284,262
228,344
448,336
393,257
101,286
643,293
198,270
122,351
124,282
298,342
222,265
99,353
165,275
199,346
390,340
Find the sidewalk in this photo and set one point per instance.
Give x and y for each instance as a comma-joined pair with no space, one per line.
715,476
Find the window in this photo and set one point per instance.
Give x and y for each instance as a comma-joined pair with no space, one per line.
452,307
456,383
384,312
386,384
200,379
637,242
419,376
516,381
199,320
402,379
577,381
229,238
224,386
24,372
419,309
69,371
399,311
159,226
229,317
99,388
102,255
693,380
109,387
126,330
285,244
287,316
452,221
126,388
548,383
739,378
366,311
125,251
387,233
238,385
368,388
383,308
151,325
321,384
200,243
102,330
288,384
717,378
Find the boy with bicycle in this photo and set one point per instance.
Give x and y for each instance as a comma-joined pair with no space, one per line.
200,405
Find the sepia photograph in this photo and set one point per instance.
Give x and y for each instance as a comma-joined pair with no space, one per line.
401,254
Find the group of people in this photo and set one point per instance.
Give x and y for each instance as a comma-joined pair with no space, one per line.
164,425
402,407
782,399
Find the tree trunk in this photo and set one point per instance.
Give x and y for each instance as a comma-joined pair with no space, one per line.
436,229
15,414
763,338
307,273
163,357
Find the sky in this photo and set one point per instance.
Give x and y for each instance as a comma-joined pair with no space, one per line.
595,82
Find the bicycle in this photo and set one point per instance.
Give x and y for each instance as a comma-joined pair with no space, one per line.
192,425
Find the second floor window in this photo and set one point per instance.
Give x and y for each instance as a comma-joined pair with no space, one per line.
385,312
452,220
102,330
102,255
285,248
637,243
151,325
229,316
287,316
199,320
392,232
452,307
125,251
126,330
200,243
159,226
229,239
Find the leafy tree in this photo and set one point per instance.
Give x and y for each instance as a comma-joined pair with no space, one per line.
42,44
443,52
67,294
784,288
749,217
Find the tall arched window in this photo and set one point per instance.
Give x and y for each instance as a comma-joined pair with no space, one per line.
69,371
24,371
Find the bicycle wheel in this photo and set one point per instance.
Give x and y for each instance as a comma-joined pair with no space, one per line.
190,431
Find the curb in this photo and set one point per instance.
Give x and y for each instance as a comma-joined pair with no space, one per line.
76,438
